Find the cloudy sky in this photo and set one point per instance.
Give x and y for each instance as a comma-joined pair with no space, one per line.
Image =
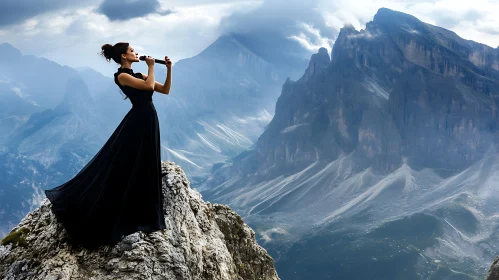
72,32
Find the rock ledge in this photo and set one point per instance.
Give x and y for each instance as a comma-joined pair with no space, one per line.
201,241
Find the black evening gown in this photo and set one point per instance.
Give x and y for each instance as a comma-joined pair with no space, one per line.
119,191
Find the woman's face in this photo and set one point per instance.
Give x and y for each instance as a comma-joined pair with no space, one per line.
131,55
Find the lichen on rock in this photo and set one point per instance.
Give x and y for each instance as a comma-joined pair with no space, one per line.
201,241
16,237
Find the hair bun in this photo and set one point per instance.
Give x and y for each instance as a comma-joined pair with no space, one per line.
115,51
107,51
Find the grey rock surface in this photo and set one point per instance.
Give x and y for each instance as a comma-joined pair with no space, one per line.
493,273
201,241
400,127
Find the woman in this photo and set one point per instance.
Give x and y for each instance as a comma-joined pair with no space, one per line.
119,191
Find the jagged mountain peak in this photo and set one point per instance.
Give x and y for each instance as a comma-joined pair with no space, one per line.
318,61
387,15
394,21
322,50
386,18
347,29
201,241
231,59
223,44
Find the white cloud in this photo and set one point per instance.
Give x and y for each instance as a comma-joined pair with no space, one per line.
311,38
73,36
367,35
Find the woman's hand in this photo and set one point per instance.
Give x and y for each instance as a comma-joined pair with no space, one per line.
168,63
150,61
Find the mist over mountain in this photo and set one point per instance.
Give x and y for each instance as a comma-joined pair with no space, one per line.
41,83
380,161
221,101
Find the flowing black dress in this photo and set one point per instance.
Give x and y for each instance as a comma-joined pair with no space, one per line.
119,191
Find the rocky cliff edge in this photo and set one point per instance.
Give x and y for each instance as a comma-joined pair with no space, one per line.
201,241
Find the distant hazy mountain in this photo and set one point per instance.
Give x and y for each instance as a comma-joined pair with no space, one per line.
13,116
30,84
39,80
379,163
220,102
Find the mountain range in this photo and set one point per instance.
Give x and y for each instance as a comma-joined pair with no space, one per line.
223,98
380,162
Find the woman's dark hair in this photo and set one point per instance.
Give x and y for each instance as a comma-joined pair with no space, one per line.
114,52
109,51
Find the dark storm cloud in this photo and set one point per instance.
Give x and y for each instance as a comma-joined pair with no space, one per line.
123,10
16,11
268,28
277,15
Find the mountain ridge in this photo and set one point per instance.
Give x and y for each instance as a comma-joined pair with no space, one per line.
400,128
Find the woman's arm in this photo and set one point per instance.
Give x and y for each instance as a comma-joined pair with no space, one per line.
162,88
126,79
150,74
131,81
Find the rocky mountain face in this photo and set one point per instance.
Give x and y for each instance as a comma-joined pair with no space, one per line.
201,241
384,155
493,273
